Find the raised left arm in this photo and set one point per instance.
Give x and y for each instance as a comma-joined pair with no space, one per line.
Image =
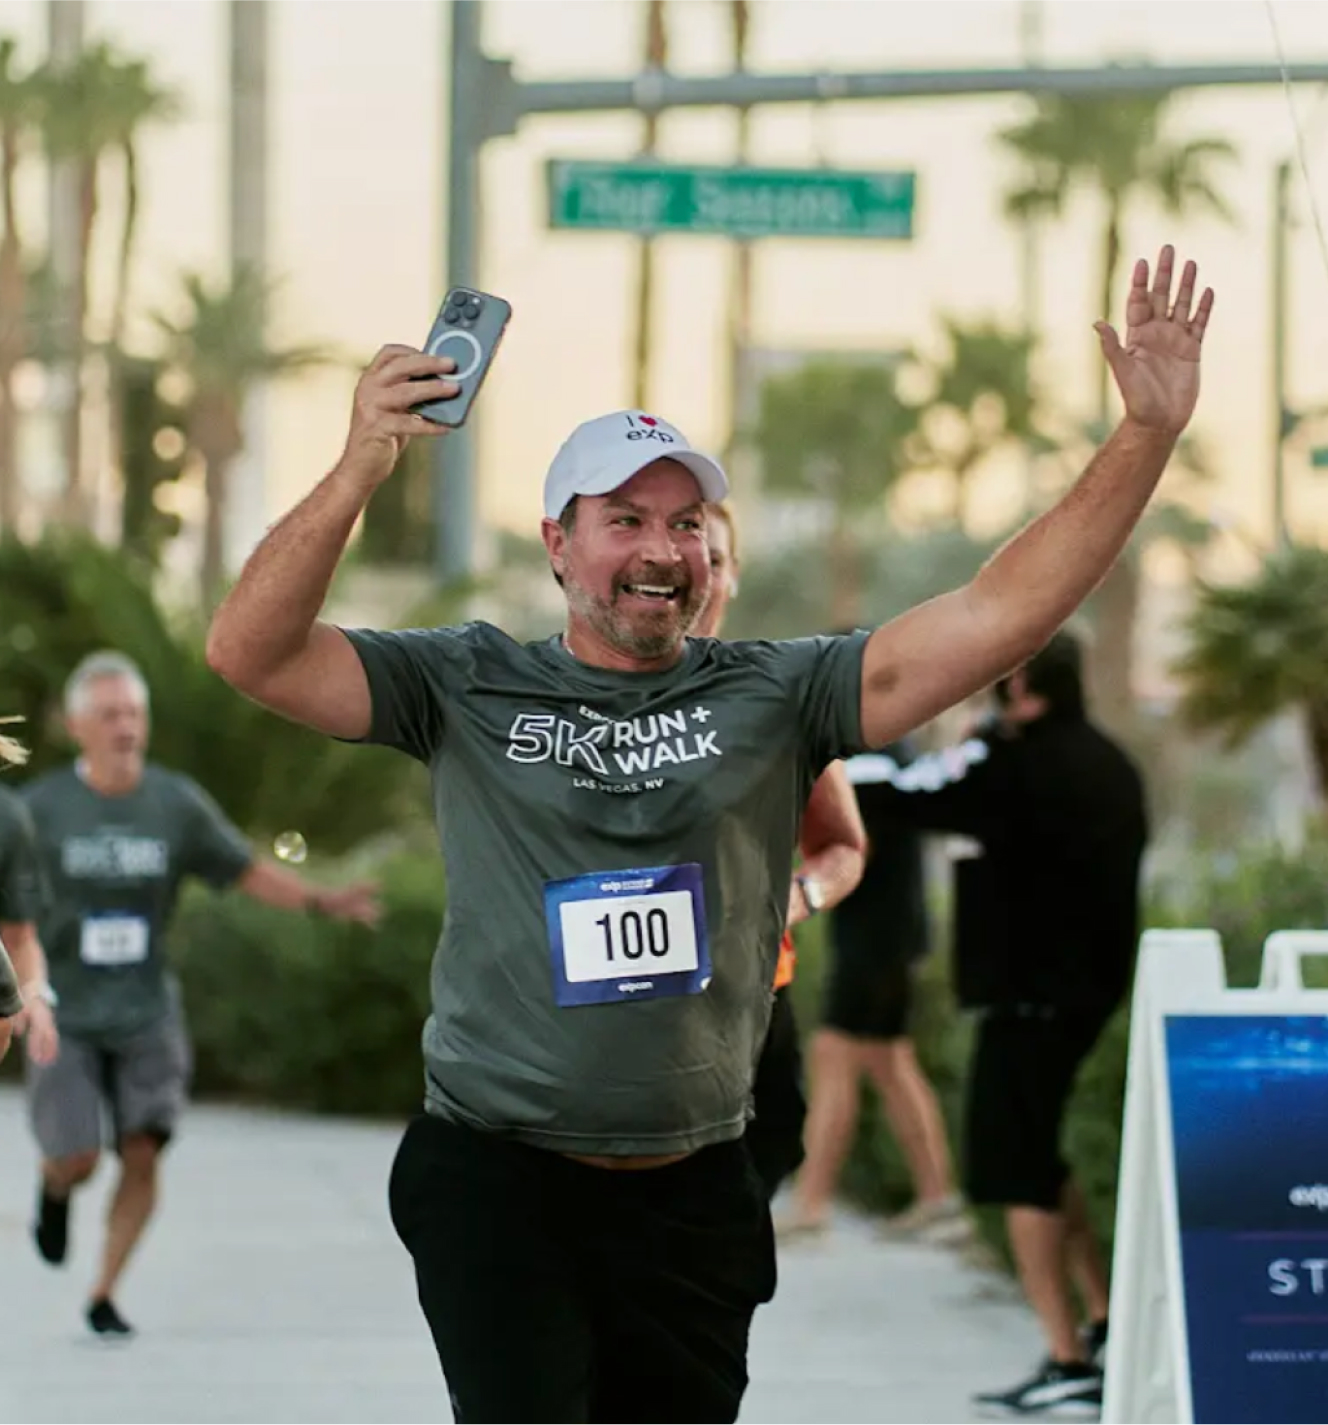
833,842
942,652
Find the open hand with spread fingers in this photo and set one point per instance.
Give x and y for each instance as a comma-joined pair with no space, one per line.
1157,369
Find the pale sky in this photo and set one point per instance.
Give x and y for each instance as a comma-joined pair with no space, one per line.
357,208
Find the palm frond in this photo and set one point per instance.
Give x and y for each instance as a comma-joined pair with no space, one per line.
1259,647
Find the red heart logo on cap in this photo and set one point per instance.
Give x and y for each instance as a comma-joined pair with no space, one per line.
649,421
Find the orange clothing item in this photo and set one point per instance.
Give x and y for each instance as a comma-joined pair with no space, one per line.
788,959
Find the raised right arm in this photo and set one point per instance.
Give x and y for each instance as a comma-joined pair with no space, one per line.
266,639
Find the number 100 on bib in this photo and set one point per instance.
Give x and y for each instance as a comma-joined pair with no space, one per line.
624,936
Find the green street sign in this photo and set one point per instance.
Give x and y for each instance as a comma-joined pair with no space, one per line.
1319,457
651,198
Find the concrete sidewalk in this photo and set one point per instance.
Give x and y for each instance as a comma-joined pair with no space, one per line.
272,1288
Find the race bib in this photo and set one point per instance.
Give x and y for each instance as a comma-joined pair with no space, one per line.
617,936
114,940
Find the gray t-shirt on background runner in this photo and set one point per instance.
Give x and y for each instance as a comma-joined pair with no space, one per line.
10,999
20,885
20,876
572,1008
113,867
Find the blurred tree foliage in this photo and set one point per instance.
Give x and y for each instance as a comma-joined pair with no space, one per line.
785,594
838,431
153,453
1259,648
68,596
398,525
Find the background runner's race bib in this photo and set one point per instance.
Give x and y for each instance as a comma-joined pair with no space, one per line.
114,940
628,935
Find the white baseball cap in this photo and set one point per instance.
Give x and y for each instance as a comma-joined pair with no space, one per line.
606,452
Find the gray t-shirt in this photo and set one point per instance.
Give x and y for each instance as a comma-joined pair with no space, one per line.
10,999
20,886
575,1008
114,867
20,876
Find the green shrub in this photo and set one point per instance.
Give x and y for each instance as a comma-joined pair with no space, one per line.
1247,897
1093,1124
308,1013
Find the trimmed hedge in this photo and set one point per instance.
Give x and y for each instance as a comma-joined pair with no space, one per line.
301,1012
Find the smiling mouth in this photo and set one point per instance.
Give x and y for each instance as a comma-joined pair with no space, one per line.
654,593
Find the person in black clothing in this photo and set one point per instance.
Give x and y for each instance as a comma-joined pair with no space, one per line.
875,938
1046,925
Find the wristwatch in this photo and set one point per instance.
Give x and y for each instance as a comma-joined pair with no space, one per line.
812,895
41,992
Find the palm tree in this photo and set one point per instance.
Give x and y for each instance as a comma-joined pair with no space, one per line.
840,432
983,398
90,109
656,57
134,100
1117,145
18,116
220,345
1260,648
74,124
152,453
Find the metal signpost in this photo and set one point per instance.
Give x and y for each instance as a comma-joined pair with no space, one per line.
485,102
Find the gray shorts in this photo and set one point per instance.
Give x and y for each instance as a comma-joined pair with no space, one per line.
140,1084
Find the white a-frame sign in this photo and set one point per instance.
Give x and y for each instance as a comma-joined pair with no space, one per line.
1219,1307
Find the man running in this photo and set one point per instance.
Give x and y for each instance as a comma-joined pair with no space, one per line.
116,836
832,845
25,996
618,808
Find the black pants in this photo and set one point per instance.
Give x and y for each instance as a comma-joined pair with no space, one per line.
561,1292
1021,1077
774,1136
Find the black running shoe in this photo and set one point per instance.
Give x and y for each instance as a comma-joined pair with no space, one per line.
105,1321
51,1229
1061,1390
1094,1337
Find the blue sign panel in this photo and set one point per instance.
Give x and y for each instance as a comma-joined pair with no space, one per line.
1249,1106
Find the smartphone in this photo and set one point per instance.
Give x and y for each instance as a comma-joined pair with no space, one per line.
468,328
